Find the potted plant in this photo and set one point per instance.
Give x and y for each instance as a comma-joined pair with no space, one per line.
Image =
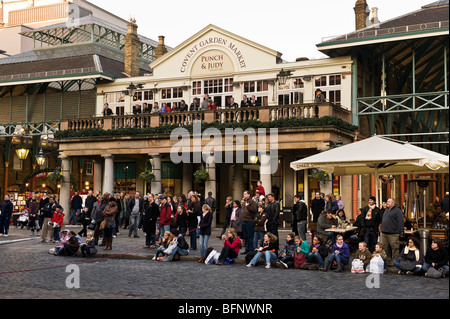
320,175
147,175
56,176
201,175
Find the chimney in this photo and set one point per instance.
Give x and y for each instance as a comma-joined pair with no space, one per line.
374,19
161,49
361,14
132,50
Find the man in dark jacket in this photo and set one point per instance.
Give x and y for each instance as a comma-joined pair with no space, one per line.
301,214
76,206
445,203
135,210
249,210
151,215
273,215
317,207
371,215
47,213
391,228
5,217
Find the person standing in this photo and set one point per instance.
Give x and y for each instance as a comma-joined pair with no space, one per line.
48,211
151,214
228,211
249,211
165,212
301,214
391,227
211,202
44,201
370,221
75,205
445,203
273,214
317,207
5,217
135,209
205,230
109,214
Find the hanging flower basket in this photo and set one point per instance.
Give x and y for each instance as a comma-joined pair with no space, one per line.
320,175
386,179
56,176
148,176
201,175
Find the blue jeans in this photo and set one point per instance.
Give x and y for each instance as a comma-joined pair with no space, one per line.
332,236
267,254
301,227
339,258
163,229
415,271
73,215
181,251
203,245
256,237
193,237
56,231
315,257
248,229
134,223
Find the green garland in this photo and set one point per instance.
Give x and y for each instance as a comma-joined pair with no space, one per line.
167,129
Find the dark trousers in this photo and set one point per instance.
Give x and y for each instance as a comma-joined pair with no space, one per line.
227,252
248,229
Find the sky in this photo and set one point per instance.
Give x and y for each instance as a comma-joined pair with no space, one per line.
292,27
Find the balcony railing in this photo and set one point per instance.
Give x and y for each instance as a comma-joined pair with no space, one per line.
220,116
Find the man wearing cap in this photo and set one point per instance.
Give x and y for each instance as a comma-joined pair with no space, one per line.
165,212
371,215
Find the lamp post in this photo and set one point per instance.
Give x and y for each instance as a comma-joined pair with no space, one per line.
40,158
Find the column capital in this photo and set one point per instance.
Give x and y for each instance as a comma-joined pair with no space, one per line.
153,155
108,156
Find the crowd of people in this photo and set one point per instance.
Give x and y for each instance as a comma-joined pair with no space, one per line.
250,229
196,105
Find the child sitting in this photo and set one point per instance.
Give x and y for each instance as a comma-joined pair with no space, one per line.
379,252
363,254
287,255
165,243
89,247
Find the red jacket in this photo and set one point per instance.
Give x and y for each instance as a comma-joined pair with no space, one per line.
235,245
57,218
164,215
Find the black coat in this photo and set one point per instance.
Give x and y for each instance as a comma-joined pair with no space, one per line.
151,214
300,211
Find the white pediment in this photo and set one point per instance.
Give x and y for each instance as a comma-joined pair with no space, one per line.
214,51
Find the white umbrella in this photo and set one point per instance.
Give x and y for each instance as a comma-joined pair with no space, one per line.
378,156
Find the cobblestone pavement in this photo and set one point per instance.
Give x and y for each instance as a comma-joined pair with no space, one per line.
28,271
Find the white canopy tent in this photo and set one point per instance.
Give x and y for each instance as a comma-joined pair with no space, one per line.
378,156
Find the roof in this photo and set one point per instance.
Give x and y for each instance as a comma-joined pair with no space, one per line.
430,19
68,62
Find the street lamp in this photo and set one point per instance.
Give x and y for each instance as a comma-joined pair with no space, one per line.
253,159
283,76
40,158
22,153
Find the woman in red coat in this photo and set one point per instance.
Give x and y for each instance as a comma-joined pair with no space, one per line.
231,246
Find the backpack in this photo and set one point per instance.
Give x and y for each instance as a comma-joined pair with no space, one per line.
434,273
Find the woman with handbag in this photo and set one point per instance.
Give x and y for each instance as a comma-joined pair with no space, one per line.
109,214
205,231
410,260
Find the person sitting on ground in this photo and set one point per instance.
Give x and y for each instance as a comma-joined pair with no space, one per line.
411,259
436,257
88,249
71,247
231,246
340,255
287,254
379,252
317,252
363,254
163,246
182,247
269,249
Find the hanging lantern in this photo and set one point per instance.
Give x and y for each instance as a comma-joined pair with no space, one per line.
40,158
22,153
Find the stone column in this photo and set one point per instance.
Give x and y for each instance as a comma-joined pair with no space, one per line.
238,188
64,192
265,173
98,177
211,186
108,176
156,186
